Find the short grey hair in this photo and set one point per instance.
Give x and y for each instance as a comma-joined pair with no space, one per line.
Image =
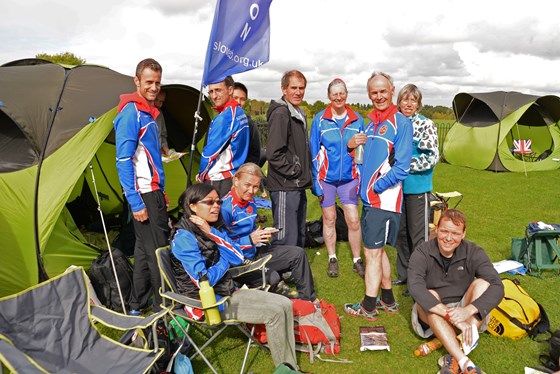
336,82
380,73
410,90
249,168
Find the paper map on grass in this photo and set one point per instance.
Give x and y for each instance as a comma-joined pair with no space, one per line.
468,348
506,265
373,338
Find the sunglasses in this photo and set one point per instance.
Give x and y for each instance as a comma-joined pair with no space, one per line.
211,202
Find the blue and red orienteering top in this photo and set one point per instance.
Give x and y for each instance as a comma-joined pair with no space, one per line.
333,162
185,248
387,156
139,163
240,219
227,144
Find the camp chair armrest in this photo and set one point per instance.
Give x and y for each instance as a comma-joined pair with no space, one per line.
546,233
448,195
18,361
121,321
253,266
193,303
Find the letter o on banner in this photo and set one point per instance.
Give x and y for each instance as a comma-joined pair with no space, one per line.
254,11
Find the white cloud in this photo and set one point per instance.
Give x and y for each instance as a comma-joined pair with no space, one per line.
444,47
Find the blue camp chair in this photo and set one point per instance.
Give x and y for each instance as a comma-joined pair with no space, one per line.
49,328
177,302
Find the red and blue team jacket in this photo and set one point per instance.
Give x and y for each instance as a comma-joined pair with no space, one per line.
332,160
240,219
185,248
227,144
139,163
387,156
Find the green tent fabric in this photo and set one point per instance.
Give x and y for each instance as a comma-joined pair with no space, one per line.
487,123
54,122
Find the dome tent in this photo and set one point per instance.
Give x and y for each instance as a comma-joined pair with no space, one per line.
487,123
54,122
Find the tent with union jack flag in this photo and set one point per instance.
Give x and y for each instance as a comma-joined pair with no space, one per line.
489,125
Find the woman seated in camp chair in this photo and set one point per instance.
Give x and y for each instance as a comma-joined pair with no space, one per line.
200,246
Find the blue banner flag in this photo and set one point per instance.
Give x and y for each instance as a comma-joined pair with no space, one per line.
240,39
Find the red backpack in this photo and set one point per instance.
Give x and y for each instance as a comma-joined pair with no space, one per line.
315,330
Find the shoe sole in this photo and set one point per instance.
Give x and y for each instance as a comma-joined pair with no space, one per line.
364,317
360,274
440,372
288,294
381,307
332,274
388,311
441,364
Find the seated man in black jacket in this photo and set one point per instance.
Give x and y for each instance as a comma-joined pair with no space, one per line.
455,287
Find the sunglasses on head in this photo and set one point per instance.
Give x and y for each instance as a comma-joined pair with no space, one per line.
211,202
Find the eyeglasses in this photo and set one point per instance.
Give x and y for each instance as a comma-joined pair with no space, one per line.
409,101
211,202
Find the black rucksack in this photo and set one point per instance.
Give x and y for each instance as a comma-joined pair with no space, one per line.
552,360
104,283
143,338
314,230
314,234
341,225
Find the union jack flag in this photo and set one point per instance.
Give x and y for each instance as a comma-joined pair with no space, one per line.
522,146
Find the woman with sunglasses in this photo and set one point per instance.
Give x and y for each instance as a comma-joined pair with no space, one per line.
200,246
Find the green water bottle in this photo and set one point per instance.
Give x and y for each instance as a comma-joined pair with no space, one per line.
207,297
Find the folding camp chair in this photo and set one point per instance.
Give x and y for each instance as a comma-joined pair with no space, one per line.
448,197
439,202
541,250
178,302
48,328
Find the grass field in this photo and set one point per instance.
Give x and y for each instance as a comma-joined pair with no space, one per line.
498,207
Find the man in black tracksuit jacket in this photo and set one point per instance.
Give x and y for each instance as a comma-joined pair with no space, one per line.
289,160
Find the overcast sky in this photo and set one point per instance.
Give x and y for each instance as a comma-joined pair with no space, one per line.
444,47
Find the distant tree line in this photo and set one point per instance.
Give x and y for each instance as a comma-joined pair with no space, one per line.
65,58
257,109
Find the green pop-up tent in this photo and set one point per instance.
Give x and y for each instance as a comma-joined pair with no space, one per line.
55,121
487,123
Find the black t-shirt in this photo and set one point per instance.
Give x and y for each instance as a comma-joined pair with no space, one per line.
446,261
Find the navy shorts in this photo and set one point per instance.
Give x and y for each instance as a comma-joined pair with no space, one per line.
379,227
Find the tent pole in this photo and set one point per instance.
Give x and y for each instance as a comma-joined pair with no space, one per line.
42,273
197,118
42,276
522,156
107,238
